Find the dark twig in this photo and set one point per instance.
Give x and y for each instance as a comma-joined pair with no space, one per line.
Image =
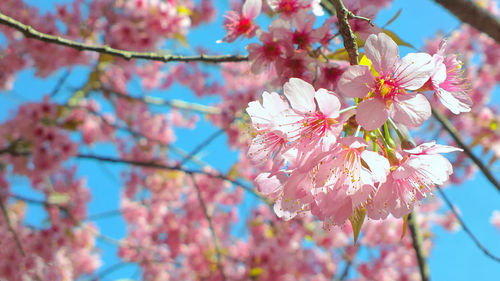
201,145
211,227
458,140
418,241
465,227
172,168
30,32
60,83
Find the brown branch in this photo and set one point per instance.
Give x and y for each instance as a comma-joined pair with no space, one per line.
418,246
211,227
345,30
458,140
31,32
469,12
11,229
465,227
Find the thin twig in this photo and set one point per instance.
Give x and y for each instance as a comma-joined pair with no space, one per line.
211,227
11,229
31,32
201,145
171,168
350,260
458,140
418,245
60,83
465,227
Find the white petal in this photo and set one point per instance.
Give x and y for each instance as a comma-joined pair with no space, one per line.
300,94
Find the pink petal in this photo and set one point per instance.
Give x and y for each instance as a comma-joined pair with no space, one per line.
371,114
251,8
413,71
356,81
273,103
378,164
432,148
456,102
383,201
301,95
286,209
382,51
411,110
267,184
439,73
328,103
261,119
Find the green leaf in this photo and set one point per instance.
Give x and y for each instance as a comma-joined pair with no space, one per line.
340,54
397,39
393,18
256,271
405,226
357,218
58,198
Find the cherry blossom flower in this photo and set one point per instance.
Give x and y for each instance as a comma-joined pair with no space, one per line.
314,118
448,82
386,93
241,24
346,178
269,140
289,8
418,170
495,219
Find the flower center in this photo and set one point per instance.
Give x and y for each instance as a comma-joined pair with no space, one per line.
387,89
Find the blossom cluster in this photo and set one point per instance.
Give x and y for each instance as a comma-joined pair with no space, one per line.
329,146
320,162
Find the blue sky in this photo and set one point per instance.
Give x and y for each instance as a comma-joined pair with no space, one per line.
454,256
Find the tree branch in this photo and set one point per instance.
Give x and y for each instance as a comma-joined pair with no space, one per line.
30,32
418,245
177,104
211,227
11,229
345,30
469,12
465,227
458,140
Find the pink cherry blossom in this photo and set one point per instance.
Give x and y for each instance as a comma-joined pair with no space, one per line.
495,219
290,7
314,118
386,94
269,140
411,179
241,24
448,82
343,183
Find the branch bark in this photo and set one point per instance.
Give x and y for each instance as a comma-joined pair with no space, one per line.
211,227
31,32
345,30
417,241
470,13
458,140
